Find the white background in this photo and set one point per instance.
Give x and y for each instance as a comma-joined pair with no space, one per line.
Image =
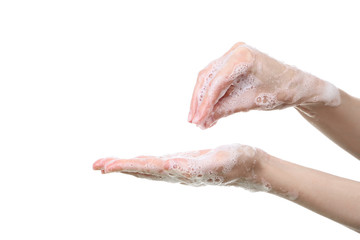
81,80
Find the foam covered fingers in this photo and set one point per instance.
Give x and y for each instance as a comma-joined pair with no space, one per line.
206,80
210,95
234,101
220,78
198,86
205,76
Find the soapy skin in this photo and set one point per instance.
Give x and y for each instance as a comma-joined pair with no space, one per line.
244,79
233,165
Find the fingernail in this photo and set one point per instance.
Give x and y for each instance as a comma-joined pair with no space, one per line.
95,166
196,118
190,116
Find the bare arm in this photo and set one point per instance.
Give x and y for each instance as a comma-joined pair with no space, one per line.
341,123
331,196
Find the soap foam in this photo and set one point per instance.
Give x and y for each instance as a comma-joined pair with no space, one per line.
267,101
216,66
227,165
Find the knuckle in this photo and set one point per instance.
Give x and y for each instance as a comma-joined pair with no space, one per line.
238,44
201,74
244,54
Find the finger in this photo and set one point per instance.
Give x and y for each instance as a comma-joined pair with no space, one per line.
222,108
186,155
213,92
230,104
171,170
237,65
144,156
144,175
198,86
216,112
202,152
166,177
200,82
145,165
99,164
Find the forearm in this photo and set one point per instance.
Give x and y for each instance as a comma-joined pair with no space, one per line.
340,123
331,196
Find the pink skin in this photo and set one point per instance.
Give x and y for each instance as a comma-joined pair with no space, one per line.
226,165
245,78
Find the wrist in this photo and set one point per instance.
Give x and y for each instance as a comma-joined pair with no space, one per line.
274,174
255,180
302,89
319,92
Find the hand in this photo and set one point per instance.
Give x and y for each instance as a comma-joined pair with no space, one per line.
225,165
244,79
